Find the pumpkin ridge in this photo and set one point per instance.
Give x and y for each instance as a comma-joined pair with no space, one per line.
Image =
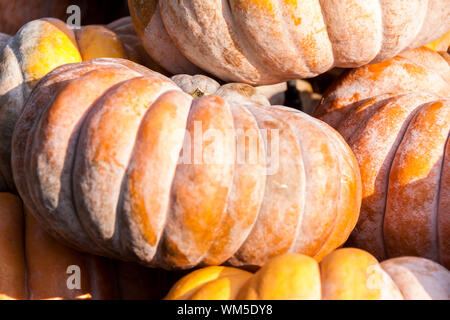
236,258
198,195
235,31
406,125
128,204
41,197
261,230
319,252
309,37
328,238
263,53
253,59
193,18
326,234
359,141
159,246
231,203
370,107
305,166
230,189
397,238
347,161
377,79
28,147
97,157
420,30
91,109
290,38
21,142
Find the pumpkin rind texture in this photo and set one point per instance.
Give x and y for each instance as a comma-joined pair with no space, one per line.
39,47
395,116
35,266
345,274
270,41
119,161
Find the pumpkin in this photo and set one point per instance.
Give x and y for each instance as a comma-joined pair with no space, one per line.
345,274
119,161
396,118
14,14
270,41
134,49
441,44
35,266
39,47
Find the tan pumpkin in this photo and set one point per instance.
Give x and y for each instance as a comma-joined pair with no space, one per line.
15,13
396,117
269,41
35,266
134,49
118,160
39,47
345,274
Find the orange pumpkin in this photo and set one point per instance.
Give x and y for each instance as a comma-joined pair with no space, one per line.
14,14
269,41
345,274
118,160
39,47
35,266
396,117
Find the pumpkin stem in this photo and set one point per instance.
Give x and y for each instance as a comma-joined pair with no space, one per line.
197,93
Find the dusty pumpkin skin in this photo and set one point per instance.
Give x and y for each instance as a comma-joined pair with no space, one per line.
119,161
270,41
345,274
33,265
38,48
396,118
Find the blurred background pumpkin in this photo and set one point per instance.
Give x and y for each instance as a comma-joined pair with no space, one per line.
345,274
14,14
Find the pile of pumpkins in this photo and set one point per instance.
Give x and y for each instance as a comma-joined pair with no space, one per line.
156,144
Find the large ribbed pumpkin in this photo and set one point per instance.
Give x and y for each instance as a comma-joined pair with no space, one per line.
269,41
396,117
15,13
35,266
38,48
345,274
118,160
